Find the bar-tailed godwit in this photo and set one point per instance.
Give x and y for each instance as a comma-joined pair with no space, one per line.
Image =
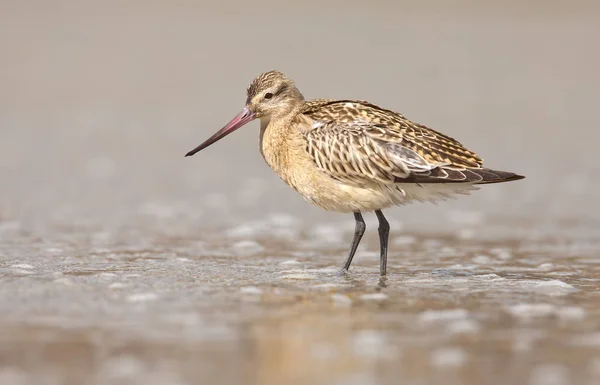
352,156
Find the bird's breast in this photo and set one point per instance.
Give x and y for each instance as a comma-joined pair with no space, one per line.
285,152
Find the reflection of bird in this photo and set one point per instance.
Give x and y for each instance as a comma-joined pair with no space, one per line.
353,156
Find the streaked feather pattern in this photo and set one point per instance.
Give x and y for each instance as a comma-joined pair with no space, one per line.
359,143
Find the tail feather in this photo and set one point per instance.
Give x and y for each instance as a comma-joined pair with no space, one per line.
494,176
469,175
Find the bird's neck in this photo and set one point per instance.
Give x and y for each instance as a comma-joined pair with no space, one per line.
278,137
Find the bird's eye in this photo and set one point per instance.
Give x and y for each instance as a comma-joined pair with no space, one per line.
268,95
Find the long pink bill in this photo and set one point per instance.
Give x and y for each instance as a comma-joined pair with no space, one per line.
241,119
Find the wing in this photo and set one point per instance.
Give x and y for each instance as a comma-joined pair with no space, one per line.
360,143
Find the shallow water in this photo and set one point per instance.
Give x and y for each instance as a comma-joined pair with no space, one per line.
236,309
121,262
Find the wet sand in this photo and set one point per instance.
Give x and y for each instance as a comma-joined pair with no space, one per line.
122,262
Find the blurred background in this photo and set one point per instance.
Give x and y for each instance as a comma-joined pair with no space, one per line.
123,262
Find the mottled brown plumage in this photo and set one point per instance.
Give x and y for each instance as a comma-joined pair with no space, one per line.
354,156
359,142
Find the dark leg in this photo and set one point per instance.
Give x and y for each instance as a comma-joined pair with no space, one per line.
384,232
359,230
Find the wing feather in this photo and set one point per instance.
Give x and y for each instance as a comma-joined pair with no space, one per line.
360,143
390,126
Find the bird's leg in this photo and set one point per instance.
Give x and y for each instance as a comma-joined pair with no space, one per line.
384,232
359,230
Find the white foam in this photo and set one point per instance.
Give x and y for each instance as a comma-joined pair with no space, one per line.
554,287
289,262
466,233
22,266
324,270
545,267
551,288
447,251
531,310
330,286
251,290
372,344
374,297
571,313
458,266
134,275
341,300
247,248
404,240
299,276
124,367
503,254
487,282
64,281
118,285
444,315
448,357
463,326
482,260
524,339
142,297
526,311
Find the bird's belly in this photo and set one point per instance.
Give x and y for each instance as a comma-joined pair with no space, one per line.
329,194
346,198
339,197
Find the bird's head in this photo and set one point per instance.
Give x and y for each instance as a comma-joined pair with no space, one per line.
271,94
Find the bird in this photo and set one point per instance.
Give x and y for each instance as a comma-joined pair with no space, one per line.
353,156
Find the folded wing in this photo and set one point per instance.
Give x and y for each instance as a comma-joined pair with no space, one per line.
359,143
